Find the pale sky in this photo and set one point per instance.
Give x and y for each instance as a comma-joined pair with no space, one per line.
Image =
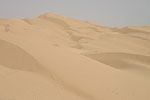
111,13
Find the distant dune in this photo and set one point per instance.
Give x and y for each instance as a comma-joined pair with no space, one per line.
53,57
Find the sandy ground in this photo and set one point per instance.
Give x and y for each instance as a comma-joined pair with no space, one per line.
53,57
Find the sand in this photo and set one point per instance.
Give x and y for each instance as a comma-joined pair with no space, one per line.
53,57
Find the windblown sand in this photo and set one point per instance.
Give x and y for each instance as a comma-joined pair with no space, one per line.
53,57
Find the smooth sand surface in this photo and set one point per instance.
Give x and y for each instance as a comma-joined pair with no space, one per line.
53,57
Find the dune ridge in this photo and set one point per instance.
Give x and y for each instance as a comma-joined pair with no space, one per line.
59,58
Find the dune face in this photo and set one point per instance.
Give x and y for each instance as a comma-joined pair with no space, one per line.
14,57
53,57
125,61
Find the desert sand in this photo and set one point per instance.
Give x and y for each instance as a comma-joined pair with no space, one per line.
53,57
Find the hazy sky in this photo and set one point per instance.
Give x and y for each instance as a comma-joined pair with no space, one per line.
105,12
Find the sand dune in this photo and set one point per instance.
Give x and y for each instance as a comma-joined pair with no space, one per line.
14,57
59,58
125,61
135,31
